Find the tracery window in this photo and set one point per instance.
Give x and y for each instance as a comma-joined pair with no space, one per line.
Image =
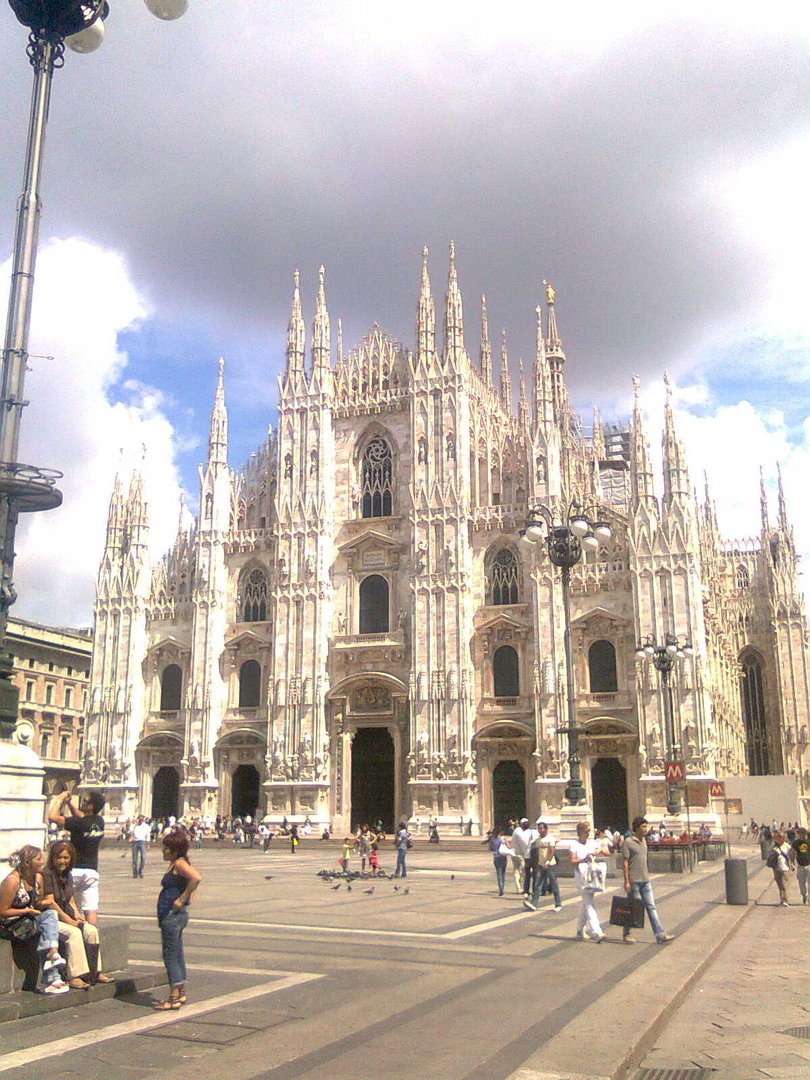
743,577
753,702
504,578
377,474
254,596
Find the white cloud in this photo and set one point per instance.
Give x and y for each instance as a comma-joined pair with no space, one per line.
730,442
84,297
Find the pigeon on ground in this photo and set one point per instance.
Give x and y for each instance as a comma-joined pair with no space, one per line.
405,893
396,888
268,877
452,877
348,888
368,892
336,887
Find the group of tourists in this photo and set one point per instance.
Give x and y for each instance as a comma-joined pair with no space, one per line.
533,854
50,900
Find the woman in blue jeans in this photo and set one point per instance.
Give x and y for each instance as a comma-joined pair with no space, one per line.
499,846
176,887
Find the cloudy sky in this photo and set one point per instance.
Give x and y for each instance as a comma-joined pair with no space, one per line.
653,166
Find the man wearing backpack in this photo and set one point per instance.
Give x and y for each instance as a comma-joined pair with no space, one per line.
780,861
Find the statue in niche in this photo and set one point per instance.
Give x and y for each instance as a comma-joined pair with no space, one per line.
642,758
313,462
355,496
421,453
422,747
421,557
310,567
306,749
548,676
450,446
655,743
288,462
450,557
283,572
342,623
440,766
537,756
115,755
402,619
413,766
89,763
541,471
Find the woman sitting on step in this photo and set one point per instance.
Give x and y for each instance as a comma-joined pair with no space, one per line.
80,937
21,920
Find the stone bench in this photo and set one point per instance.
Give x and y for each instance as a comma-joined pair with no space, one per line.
19,975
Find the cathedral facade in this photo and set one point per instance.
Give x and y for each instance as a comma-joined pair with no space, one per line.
352,629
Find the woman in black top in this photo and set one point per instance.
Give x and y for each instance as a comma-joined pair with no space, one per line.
176,887
80,936
21,893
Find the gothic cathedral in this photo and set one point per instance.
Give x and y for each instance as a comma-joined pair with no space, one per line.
352,629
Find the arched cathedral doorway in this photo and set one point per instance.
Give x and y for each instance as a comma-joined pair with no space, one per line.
373,787
609,792
508,792
165,793
245,787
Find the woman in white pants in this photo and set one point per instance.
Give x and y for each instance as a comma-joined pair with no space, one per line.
80,936
587,873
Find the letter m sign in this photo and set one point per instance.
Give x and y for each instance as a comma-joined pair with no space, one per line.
674,772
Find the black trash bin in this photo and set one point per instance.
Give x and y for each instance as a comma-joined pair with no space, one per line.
736,881
764,848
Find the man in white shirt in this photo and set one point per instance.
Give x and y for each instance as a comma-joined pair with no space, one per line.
547,878
140,838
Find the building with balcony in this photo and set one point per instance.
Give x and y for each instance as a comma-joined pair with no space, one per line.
352,630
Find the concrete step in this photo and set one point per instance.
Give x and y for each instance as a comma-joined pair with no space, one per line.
23,1003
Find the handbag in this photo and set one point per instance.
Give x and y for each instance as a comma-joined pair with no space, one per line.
593,879
627,911
23,928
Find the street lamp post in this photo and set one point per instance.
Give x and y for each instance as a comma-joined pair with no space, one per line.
675,647
565,542
79,24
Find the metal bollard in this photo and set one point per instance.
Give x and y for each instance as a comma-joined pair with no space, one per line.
736,881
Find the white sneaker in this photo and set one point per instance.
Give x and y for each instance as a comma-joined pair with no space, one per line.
56,988
558,907
53,962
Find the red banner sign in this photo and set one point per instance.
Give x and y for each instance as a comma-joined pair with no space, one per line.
674,772
717,789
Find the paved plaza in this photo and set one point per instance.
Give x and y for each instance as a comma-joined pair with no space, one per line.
439,977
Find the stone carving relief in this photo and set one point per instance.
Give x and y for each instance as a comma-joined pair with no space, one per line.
371,699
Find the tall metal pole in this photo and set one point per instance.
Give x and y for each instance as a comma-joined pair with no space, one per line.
574,789
673,804
22,488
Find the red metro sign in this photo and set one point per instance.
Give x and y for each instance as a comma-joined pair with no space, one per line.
674,772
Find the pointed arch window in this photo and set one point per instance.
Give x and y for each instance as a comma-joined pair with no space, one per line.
250,685
743,577
377,477
254,596
171,687
602,668
504,578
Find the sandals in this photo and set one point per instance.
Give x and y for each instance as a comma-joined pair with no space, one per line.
78,984
169,1004
102,978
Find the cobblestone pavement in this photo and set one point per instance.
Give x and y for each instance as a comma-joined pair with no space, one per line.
433,977
735,1017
